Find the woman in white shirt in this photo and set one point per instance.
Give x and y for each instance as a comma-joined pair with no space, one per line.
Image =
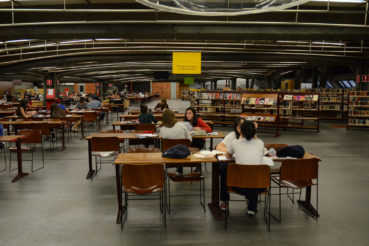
248,150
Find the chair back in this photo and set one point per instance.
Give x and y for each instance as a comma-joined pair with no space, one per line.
143,179
248,176
299,169
111,131
32,135
168,143
102,143
275,146
90,116
145,127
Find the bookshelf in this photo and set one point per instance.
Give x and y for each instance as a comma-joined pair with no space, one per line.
331,104
261,107
299,110
358,109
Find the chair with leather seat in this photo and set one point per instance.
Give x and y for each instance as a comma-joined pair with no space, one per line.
33,138
104,147
297,174
249,176
143,179
185,178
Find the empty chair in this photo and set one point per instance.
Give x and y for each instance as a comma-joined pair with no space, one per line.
297,174
249,177
104,147
142,179
33,137
91,117
144,128
186,178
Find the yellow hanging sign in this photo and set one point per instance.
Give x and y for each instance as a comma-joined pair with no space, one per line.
186,63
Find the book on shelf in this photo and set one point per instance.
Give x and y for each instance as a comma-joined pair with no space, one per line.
257,100
252,100
308,97
262,101
287,97
315,98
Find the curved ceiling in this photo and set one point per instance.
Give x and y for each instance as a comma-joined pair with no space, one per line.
122,41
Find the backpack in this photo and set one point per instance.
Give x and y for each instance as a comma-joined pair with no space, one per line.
291,151
178,151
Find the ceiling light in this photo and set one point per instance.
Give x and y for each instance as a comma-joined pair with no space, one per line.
327,43
108,39
76,41
18,40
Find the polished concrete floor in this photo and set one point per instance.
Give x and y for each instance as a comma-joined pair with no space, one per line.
58,206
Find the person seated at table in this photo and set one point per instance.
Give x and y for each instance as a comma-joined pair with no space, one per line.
57,112
63,107
162,106
22,109
96,104
197,124
172,129
82,104
146,117
248,150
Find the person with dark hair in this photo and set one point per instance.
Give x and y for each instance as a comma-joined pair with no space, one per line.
96,104
145,117
248,150
22,109
226,142
163,105
82,103
197,124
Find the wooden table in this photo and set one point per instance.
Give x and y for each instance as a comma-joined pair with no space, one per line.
159,117
122,136
33,124
151,158
17,139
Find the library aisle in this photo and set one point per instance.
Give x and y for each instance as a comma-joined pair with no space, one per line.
58,206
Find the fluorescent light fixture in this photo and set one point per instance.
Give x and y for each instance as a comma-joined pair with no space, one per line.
341,1
18,40
4,1
43,45
76,41
1,42
108,39
291,41
327,43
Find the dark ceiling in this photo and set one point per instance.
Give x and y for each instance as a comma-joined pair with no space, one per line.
123,41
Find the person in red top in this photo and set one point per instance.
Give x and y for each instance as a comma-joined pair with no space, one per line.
198,124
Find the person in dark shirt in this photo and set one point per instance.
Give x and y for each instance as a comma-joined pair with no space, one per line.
162,106
145,117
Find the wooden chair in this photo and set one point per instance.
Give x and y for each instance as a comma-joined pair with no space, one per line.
187,178
143,180
33,137
146,142
249,176
275,146
92,117
297,174
111,131
104,147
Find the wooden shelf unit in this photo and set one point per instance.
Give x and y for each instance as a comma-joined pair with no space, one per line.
358,109
299,110
332,104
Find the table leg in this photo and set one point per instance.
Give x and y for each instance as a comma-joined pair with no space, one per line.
82,128
91,172
20,173
119,193
63,137
214,205
306,205
107,118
